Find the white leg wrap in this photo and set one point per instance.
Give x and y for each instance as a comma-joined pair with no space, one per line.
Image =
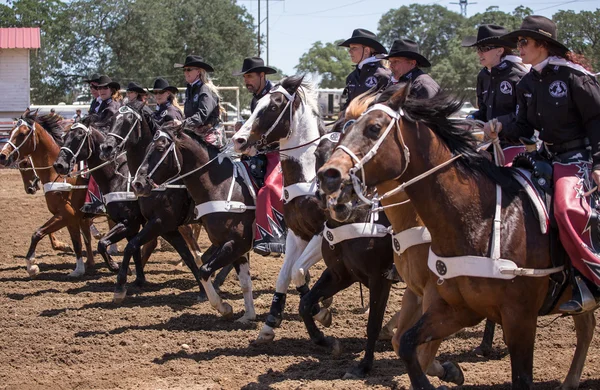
310,256
32,268
246,285
79,270
294,246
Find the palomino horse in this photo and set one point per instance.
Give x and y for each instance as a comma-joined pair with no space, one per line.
224,204
457,201
39,138
31,184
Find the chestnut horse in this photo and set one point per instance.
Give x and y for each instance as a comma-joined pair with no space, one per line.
457,202
39,137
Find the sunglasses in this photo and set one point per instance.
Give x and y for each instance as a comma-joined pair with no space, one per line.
188,69
485,49
522,42
104,87
158,92
94,87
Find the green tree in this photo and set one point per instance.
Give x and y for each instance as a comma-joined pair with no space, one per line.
329,61
580,33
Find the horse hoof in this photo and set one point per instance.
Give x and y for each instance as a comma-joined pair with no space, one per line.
33,271
482,350
227,311
246,319
355,373
386,334
113,250
113,267
266,336
336,348
139,282
327,302
119,297
453,373
202,297
77,273
324,317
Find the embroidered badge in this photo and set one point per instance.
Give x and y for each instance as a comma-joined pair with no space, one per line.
441,268
371,81
164,113
286,194
329,236
502,65
558,89
196,97
506,88
334,137
396,245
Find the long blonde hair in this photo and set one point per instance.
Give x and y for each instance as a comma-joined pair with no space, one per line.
204,78
173,99
116,95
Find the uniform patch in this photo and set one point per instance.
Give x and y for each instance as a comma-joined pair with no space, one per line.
371,81
506,88
196,97
334,137
164,113
502,65
558,89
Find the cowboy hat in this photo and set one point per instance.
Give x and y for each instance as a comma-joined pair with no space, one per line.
254,65
539,28
104,81
360,36
488,34
408,49
195,61
161,84
93,78
135,87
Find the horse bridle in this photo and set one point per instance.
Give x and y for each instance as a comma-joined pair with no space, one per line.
359,187
138,118
171,148
290,98
87,133
16,148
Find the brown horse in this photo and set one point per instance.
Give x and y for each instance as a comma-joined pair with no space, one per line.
39,138
457,202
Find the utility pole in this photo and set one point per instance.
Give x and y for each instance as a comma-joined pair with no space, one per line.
259,21
267,32
463,6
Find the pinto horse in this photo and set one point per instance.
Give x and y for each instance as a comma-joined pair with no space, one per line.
40,137
457,202
224,204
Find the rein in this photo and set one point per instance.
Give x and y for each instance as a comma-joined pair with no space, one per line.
86,137
290,98
138,118
16,148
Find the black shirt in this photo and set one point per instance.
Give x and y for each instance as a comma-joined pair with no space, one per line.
167,112
95,103
201,106
256,97
423,86
108,109
562,103
361,80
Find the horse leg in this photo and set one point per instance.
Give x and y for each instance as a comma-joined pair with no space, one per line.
408,315
519,327
294,246
379,291
584,328
326,286
439,321
147,250
310,256
74,232
58,245
55,223
84,227
176,240
192,242
242,267
485,348
112,249
116,234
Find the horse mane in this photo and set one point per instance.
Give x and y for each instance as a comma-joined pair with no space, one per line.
435,113
308,94
359,104
145,111
50,123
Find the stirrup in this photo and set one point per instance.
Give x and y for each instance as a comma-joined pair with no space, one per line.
582,301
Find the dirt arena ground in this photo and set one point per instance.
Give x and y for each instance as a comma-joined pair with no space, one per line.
58,333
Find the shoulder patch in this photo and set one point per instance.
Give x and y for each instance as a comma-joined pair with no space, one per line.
196,97
558,89
506,88
164,113
371,81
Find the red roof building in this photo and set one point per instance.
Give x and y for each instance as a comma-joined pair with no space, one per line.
20,38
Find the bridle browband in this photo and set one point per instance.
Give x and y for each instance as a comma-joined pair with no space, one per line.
138,118
290,98
16,148
87,132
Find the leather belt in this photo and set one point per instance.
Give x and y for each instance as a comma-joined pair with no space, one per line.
568,146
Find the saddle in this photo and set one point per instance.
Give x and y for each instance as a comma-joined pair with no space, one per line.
541,175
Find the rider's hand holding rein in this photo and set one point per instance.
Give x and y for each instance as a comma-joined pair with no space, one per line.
492,131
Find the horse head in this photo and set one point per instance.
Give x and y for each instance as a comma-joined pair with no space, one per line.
362,159
126,127
163,160
31,181
23,139
77,147
272,118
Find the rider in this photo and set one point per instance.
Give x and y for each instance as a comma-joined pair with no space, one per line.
111,100
167,107
497,81
406,63
270,233
369,72
561,99
136,92
201,108
93,82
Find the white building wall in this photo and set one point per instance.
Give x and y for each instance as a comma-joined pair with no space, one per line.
14,82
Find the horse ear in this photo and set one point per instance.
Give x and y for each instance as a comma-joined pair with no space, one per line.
399,97
292,83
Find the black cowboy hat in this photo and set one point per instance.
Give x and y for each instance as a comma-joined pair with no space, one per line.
195,62
360,36
539,28
409,49
93,78
256,65
135,87
104,80
488,34
161,84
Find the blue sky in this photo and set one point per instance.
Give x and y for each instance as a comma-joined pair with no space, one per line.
296,24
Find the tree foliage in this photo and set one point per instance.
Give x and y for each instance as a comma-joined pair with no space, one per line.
328,61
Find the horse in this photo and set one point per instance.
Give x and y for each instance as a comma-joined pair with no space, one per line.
31,184
224,204
165,211
452,187
40,137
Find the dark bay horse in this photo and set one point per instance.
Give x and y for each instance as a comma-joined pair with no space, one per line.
82,144
457,203
224,204
40,137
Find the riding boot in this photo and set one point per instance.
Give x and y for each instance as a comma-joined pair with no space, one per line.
583,298
276,313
